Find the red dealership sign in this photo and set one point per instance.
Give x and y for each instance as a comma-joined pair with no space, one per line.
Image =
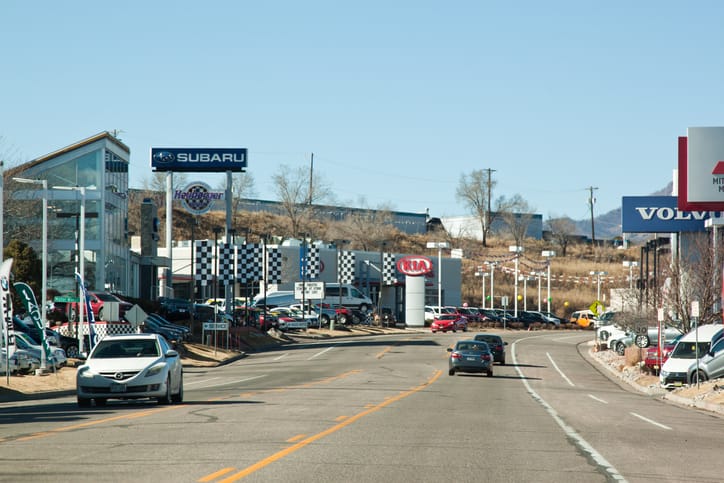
414,265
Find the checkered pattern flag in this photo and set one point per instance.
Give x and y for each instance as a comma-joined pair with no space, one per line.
249,267
345,266
203,262
309,262
388,269
274,265
226,263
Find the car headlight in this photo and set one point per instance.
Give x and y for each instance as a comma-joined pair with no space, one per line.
155,370
85,371
664,373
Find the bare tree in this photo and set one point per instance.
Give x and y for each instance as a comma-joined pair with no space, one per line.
297,194
157,181
517,214
364,229
561,230
692,279
475,190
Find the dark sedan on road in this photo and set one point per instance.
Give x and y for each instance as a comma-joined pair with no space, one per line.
497,346
470,356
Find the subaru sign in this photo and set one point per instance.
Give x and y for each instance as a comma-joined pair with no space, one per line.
194,160
658,214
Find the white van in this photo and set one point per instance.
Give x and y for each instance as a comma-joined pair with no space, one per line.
674,371
350,296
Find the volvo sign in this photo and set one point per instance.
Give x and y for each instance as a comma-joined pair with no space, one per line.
198,159
659,214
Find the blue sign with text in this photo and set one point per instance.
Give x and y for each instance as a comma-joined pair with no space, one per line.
659,214
198,160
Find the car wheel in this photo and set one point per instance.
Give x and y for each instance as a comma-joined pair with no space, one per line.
72,351
325,319
620,348
490,373
166,398
363,308
101,402
100,314
342,319
465,328
179,397
697,377
454,330
451,372
83,402
502,361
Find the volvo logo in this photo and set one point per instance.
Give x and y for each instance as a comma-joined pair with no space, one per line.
164,157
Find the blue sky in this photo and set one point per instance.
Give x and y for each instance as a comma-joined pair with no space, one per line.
396,99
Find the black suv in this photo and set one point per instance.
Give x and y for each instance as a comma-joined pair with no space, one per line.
497,346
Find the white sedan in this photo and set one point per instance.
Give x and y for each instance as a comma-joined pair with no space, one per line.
131,366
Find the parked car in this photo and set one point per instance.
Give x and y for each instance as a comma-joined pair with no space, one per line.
470,356
470,313
8,365
583,318
496,344
130,366
57,311
449,322
54,338
175,308
22,361
675,371
290,318
97,299
57,357
711,366
655,357
153,326
182,329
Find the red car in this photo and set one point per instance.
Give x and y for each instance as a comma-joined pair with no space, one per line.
97,299
449,322
654,360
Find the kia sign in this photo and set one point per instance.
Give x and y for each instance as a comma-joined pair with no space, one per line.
414,266
198,160
197,198
658,214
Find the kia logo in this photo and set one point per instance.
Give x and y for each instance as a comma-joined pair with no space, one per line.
164,157
414,266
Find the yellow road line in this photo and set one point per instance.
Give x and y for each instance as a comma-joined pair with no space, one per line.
291,449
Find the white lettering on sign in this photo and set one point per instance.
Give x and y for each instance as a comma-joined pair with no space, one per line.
665,213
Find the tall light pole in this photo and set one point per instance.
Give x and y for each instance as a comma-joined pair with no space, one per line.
517,250
540,276
630,264
548,254
439,246
598,283
482,274
492,283
81,257
44,263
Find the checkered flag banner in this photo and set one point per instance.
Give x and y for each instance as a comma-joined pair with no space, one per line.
226,263
274,265
249,267
309,266
203,262
345,266
388,269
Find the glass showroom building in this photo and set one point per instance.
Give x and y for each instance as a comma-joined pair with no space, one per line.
93,173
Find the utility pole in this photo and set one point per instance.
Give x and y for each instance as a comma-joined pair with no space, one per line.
311,177
591,202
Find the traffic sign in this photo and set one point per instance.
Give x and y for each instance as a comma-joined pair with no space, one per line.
135,315
216,325
65,298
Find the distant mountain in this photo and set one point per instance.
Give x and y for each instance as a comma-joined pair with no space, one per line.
608,225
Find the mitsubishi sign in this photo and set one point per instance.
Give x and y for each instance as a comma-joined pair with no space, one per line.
659,214
209,160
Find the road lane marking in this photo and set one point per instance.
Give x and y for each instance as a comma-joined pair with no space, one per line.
301,444
319,353
559,371
199,382
213,476
603,465
597,399
281,356
651,421
383,352
296,438
558,339
226,383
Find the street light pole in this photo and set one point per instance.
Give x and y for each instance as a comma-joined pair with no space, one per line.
480,273
439,246
44,264
548,254
630,265
515,249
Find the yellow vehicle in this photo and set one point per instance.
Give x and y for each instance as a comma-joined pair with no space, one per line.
584,318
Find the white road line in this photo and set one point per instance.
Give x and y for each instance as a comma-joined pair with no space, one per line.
199,382
559,371
651,421
281,356
558,339
597,399
319,353
577,439
226,383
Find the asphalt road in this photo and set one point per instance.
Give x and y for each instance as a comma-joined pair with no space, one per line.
372,410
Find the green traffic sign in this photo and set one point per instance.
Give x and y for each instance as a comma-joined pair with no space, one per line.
65,299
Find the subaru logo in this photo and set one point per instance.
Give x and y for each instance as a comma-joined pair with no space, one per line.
164,157
118,376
